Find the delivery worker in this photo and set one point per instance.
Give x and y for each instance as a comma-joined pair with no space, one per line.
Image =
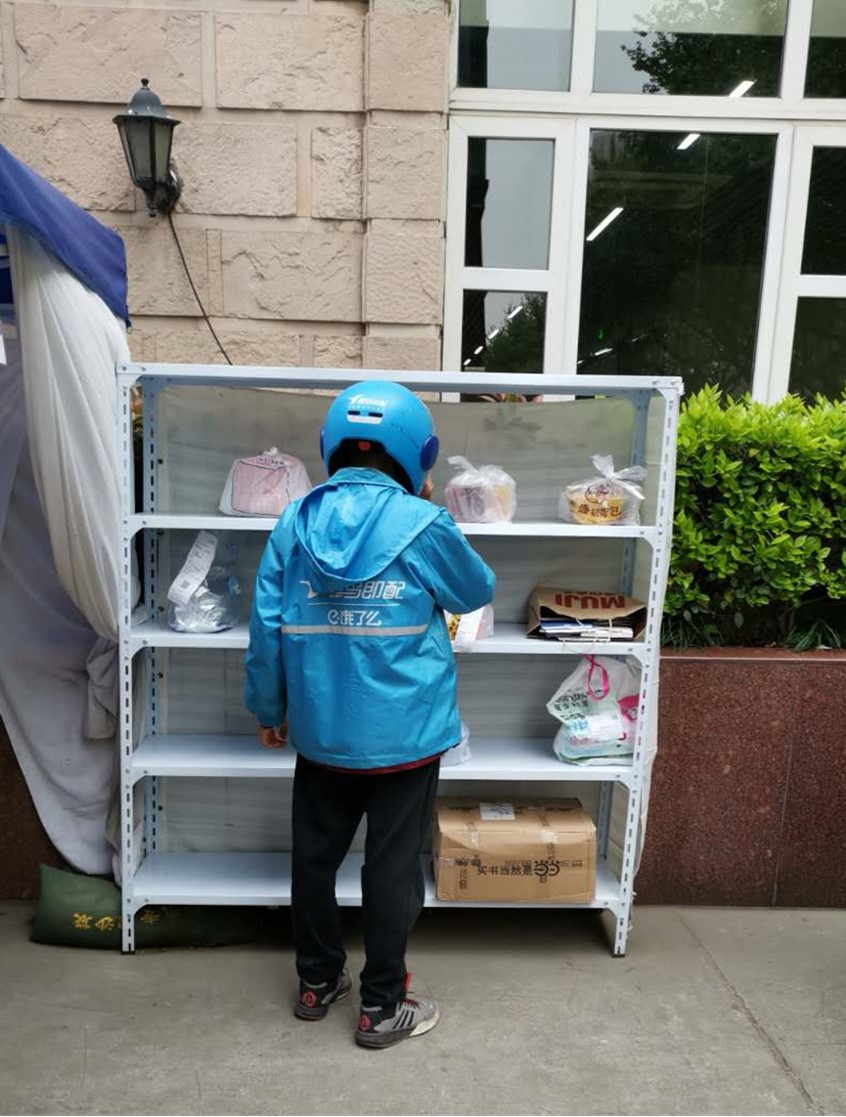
350,660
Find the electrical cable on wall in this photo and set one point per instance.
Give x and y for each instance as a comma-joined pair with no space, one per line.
196,292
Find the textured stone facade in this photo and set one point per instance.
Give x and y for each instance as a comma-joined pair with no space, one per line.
311,63
312,149
71,53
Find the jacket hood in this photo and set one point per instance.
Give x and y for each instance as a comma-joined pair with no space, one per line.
347,531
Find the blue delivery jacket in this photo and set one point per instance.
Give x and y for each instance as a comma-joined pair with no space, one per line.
348,641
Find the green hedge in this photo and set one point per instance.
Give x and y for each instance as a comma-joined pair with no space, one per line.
759,550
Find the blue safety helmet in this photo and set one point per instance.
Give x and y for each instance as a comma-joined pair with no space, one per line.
390,415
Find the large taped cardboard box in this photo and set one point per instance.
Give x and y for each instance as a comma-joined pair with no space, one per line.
521,851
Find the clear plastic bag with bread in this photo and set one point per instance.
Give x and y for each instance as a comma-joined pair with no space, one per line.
611,498
480,495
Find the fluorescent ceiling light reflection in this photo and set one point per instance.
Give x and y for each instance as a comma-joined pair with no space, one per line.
602,352
689,140
476,352
517,310
742,89
605,222
467,362
492,335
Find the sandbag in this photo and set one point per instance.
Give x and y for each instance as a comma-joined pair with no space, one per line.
77,910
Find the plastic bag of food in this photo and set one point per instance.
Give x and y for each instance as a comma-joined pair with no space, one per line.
460,753
264,485
597,706
611,498
487,495
466,629
204,595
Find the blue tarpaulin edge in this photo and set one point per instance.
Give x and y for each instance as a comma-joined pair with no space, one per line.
94,254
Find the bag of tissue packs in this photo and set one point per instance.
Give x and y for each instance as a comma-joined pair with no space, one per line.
204,596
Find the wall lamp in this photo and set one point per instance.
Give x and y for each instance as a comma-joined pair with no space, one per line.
146,132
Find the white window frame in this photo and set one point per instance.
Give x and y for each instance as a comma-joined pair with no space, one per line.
563,279
794,284
799,122
791,104
551,280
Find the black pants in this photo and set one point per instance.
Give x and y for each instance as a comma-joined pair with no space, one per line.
328,807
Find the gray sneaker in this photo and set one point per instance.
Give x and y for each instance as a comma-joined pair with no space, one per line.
379,1027
314,1000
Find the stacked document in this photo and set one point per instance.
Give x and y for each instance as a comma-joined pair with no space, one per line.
580,630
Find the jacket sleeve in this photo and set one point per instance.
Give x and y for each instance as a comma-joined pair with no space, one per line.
458,579
264,688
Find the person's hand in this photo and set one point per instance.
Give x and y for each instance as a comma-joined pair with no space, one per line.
276,738
427,490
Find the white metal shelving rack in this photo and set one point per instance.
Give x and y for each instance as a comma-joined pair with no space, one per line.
504,762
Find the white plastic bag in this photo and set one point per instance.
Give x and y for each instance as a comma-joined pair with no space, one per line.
204,595
597,706
466,629
487,495
611,498
460,753
264,485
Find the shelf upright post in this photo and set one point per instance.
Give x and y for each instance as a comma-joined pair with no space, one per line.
640,401
125,382
647,719
150,465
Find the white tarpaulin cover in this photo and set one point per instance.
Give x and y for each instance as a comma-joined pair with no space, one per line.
59,519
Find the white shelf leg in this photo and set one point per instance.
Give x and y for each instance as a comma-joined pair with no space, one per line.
127,837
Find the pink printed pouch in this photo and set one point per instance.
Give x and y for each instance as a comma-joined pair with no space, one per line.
264,485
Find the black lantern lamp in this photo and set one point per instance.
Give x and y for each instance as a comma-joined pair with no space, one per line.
146,132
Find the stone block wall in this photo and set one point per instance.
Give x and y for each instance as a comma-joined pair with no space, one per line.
312,147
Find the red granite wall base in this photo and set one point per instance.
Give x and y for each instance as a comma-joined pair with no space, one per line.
23,842
749,787
748,792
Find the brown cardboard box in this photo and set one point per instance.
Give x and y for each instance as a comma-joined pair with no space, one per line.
601,609
521,851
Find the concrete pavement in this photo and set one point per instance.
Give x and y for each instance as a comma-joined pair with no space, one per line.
714,1011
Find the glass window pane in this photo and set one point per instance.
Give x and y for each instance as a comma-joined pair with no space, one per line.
509,199
819,348
826,75
515,44
675,237
825,226
730,48
503,331
138,139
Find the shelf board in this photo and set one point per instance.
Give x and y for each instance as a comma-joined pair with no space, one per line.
537,529
176,521
545,383
265,879
508,639
241,756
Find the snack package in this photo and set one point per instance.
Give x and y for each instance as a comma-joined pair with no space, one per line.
264,485
597,706
203,596
465,630
487,495
612,498
460,753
